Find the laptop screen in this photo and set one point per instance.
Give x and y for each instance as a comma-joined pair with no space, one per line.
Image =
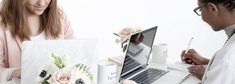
138,52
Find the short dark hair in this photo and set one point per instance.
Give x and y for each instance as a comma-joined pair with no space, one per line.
230,4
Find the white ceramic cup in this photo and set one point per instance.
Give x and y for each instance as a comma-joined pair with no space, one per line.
159,54
107,73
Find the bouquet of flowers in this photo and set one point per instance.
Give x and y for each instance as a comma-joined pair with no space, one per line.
125,34
60,72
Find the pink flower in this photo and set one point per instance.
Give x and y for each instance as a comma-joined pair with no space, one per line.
126,33
62,77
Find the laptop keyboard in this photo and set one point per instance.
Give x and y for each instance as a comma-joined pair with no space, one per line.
129,64
148,76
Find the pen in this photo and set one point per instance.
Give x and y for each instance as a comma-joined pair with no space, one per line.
187,60
189,43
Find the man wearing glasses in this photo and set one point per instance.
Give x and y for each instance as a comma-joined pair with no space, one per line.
220,15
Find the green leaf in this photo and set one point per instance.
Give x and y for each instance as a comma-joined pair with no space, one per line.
124,42
58,61
45,82
84,69
124,48
80,67
116,34
47,78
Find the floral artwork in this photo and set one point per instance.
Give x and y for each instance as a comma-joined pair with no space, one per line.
125,34
61,72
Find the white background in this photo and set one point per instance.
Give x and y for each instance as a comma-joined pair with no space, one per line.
176,20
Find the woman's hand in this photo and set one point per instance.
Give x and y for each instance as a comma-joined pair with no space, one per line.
192,57
16,73
197,70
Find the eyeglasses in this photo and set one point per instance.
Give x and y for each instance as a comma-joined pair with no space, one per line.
198,10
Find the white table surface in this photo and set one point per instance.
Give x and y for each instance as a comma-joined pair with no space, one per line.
189,80
178,66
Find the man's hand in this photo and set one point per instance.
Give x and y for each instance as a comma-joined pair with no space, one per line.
192,57
197,70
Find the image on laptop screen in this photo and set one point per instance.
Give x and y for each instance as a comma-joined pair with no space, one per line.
138,52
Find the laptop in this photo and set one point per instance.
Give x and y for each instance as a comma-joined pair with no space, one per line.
135,66
35,56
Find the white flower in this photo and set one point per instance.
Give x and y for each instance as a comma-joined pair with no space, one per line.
63,76
82,77
125,34
60,72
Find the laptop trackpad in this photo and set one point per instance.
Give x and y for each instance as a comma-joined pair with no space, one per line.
172,77
148,76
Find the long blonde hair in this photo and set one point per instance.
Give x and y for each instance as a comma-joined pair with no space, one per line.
14,17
